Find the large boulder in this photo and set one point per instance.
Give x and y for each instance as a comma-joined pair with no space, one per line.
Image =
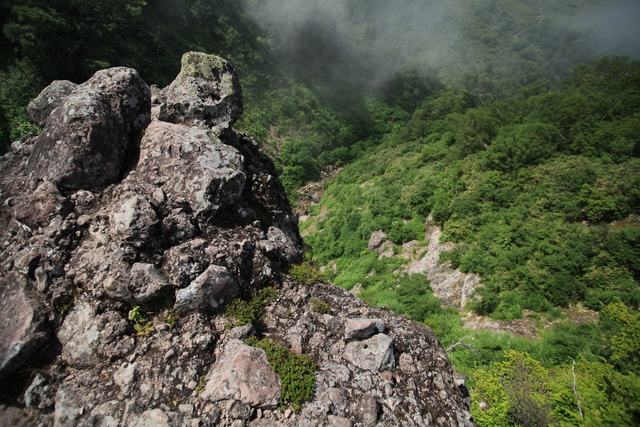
86,139
205,93
41,107
192,164
243,373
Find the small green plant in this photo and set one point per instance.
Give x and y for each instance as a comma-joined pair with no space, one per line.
171,317
63,308
201,384
249,311
306,273
297,373
141,325
319,306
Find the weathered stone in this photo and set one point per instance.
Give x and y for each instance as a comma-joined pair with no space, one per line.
205,93
24,328
197,198
39,395
369,409
374,354
279,244
335,421
376,240
192,164
41,107
147,283
208,291
406,363
362,328
38,206
86,336
86,139
152,418
243,373
134,221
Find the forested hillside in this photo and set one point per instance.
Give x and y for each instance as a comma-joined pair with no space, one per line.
515,125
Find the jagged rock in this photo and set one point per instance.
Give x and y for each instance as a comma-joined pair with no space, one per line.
39,395
243,373
40,205
192,164
377,237
374,354
452,287
205,93
198,208
208,291
87,336
368,408
279,244
41,107
24,328
86,138
134,221
362,328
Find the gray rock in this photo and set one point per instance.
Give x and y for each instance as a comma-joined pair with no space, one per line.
87,337
279,244
50,97
335,421
24,328
374,354
146,283
205,93
85,141
376,240
192,164
208,291
368,408
243,373
134,221
38,206
362,328
39,395
152,418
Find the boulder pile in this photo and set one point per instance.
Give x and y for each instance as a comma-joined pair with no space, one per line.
129,224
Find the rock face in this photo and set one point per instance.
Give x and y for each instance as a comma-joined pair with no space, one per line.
120,250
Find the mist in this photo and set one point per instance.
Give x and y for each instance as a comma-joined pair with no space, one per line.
364,43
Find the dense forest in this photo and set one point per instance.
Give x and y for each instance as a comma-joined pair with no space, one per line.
514,125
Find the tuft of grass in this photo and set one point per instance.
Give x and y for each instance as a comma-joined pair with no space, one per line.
297,373
171,317
319,306
307,273
250,311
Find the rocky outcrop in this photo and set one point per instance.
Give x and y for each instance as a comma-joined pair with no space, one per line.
122,240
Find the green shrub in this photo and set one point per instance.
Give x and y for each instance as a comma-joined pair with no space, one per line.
319,306
306,273
297,373
249,311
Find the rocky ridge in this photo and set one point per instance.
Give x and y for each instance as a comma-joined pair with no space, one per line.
128,224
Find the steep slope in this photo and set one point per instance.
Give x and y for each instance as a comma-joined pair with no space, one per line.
129,224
